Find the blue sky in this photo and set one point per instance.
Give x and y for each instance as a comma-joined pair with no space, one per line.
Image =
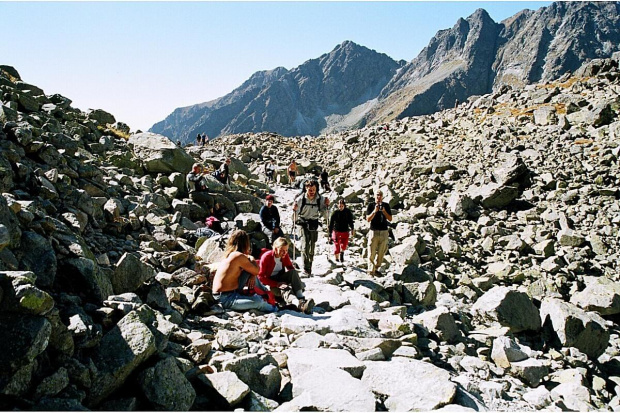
141,60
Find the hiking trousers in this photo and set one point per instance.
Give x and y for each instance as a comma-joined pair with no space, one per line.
377,247
308,239
234,300
291,277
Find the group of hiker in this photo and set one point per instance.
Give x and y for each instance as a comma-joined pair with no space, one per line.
273,283
202,140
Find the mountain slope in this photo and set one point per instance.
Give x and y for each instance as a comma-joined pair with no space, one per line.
477,56
295,102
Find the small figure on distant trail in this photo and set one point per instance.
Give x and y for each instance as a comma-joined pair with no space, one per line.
307,210
270,219
198,140
324,183
456,103
340,223
270,170
205,139
378,214
237,271
292,172
278,273
179,143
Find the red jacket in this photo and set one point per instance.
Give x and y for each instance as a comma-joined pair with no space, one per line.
268,263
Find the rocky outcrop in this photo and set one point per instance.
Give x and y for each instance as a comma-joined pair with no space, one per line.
502,306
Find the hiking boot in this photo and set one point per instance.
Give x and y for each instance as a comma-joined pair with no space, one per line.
342,257
290,307
306,306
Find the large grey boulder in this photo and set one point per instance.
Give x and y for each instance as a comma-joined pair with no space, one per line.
601,295
573,327
441,322
166,387
20,295
494,195
38,256
303,360
228,385
508,307
256,372
410,384
331,389
159,154
505,351
420,293
130,274
24,338
123,349
85,272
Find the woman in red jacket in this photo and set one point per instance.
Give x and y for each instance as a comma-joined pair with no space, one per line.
277,272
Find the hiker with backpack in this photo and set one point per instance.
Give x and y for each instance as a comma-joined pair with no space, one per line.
277,272
237,272
223,174
270,170
270,219
379,215
340,223
307,210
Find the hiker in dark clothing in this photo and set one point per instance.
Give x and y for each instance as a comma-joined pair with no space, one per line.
270,219
324,183
379,215
340,223
198,140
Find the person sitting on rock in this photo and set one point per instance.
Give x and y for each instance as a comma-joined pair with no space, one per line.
237,271
278,273
196,179
340,223
270,219
223,174
307,209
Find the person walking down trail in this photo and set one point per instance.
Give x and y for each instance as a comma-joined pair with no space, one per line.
324,184
307,209
270,219
277,272
270,170
378,214
340,223
237,271
292,173
198,140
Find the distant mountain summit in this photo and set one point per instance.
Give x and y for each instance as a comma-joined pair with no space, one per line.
477,56
302,101
353,86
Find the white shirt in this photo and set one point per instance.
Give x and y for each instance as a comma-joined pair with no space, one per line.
278,266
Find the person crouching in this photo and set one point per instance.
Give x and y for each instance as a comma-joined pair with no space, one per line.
277,272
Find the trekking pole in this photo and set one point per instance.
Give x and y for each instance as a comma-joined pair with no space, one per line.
293,233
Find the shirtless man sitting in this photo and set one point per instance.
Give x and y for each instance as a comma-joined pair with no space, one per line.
236,271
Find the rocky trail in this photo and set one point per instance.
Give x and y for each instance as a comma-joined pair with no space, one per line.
500,289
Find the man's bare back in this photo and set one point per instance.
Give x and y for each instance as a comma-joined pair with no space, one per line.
228,272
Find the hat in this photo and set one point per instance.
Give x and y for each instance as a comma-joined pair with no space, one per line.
269,198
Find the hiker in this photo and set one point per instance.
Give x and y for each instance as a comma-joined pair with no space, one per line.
205,139
278,273
292,172
237,271
195,179
270,219
198,140
324,184
308,208
223,174
179,143
270,170
378,214
339,224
